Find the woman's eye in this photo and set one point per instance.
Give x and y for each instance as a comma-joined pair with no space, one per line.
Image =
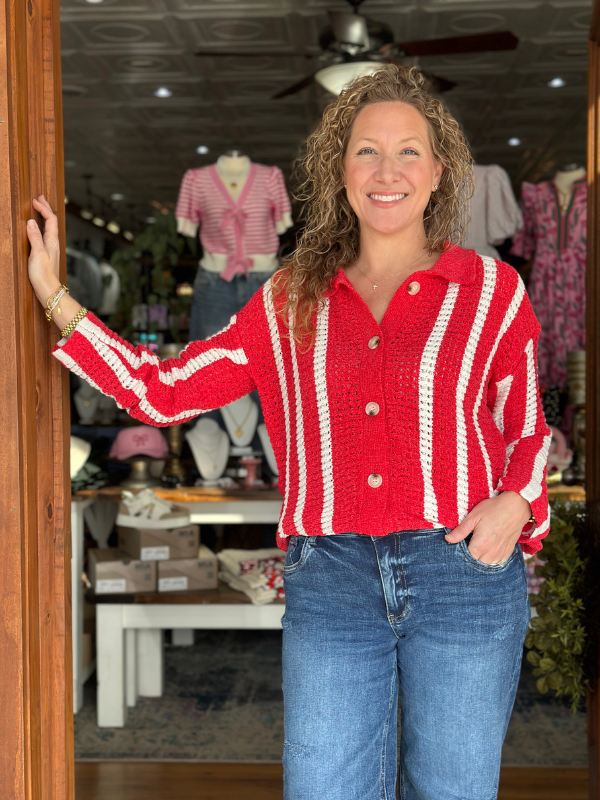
411,151
366,150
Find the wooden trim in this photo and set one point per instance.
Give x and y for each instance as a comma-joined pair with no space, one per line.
593,368
36,723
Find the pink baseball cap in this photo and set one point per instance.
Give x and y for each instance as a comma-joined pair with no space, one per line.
137,441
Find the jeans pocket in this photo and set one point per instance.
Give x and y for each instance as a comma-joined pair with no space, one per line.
296,554
463,547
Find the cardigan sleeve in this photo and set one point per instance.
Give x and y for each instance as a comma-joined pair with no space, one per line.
280,201
208,374
518,414
187,211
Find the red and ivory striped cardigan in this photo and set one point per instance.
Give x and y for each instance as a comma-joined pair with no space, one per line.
377,428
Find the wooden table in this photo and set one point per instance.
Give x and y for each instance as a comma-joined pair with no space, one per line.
206,505
130,632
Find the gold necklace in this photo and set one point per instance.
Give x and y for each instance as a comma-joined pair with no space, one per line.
240,425
206,452
374,284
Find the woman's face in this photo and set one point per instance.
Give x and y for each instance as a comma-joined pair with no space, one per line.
390,168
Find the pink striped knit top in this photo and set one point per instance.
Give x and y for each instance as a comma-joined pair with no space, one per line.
236,228
378,428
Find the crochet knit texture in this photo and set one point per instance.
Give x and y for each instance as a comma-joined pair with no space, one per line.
377,428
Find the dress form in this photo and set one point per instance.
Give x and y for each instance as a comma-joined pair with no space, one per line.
267,448
233,170
210,448
564,180
86,400
240,418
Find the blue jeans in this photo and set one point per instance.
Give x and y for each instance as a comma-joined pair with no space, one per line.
369,618
215,301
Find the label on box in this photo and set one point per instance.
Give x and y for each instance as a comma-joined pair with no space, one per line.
155,553
110,586
173,584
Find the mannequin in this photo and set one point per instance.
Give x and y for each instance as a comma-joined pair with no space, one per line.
268,449
233,169
210,448
564,180
240,208
86,400
240,418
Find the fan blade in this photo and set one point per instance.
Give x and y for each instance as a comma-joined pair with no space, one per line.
296,87
436,84
477,43
349,28
231,53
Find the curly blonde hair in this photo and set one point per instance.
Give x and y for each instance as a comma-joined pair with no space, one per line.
332,233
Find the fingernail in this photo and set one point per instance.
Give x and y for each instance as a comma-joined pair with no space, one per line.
31,223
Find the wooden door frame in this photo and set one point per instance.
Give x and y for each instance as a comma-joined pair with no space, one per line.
36,686
36,720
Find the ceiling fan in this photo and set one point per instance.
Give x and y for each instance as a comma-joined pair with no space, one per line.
353,45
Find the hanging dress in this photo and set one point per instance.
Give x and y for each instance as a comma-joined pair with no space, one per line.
556,238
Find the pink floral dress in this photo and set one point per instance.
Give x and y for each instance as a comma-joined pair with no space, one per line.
557,240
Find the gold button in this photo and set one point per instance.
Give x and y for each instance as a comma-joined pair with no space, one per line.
374,342
413,287
372,409
374,480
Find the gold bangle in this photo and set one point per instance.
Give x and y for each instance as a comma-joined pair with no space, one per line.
74,322
53,301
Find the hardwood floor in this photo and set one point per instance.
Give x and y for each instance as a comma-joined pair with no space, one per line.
127,780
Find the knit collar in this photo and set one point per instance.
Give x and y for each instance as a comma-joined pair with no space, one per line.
455,264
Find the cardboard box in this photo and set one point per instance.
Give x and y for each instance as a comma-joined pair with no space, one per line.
160,545
189,574
112,571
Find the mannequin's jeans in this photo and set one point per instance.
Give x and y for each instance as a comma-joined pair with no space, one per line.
368,618
215,301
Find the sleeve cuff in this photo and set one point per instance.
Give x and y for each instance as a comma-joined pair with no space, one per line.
284,223
186,227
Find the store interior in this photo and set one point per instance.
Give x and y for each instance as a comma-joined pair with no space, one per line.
182,117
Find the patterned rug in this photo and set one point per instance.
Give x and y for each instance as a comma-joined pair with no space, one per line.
223,702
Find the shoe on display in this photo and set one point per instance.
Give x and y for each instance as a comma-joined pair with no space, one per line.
146,510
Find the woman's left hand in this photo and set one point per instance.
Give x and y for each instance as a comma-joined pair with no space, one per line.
496,524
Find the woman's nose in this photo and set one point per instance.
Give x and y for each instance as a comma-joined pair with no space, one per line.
388,170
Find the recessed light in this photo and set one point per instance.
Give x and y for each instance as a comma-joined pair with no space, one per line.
202,150
117,196
514,141
113,227
162,91
86,214
128,235
557,83
99,222
66,200
94,2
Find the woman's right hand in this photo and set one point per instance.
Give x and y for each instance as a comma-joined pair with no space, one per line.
44,259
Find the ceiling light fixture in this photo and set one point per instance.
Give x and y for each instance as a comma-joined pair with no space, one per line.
113,227
117,196
94,2
162,91
514,141
128,235
86,214
202,150
99,222
337,77
557,83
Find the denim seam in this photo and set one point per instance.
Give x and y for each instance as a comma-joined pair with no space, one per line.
386,731
302,543
491,569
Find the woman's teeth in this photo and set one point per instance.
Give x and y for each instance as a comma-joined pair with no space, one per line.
387,198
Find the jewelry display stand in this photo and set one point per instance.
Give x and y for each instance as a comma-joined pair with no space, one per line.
210,448
268,450
140,476
240,418
86,400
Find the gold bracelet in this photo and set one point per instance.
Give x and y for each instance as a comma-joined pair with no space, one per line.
53,301
74,322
